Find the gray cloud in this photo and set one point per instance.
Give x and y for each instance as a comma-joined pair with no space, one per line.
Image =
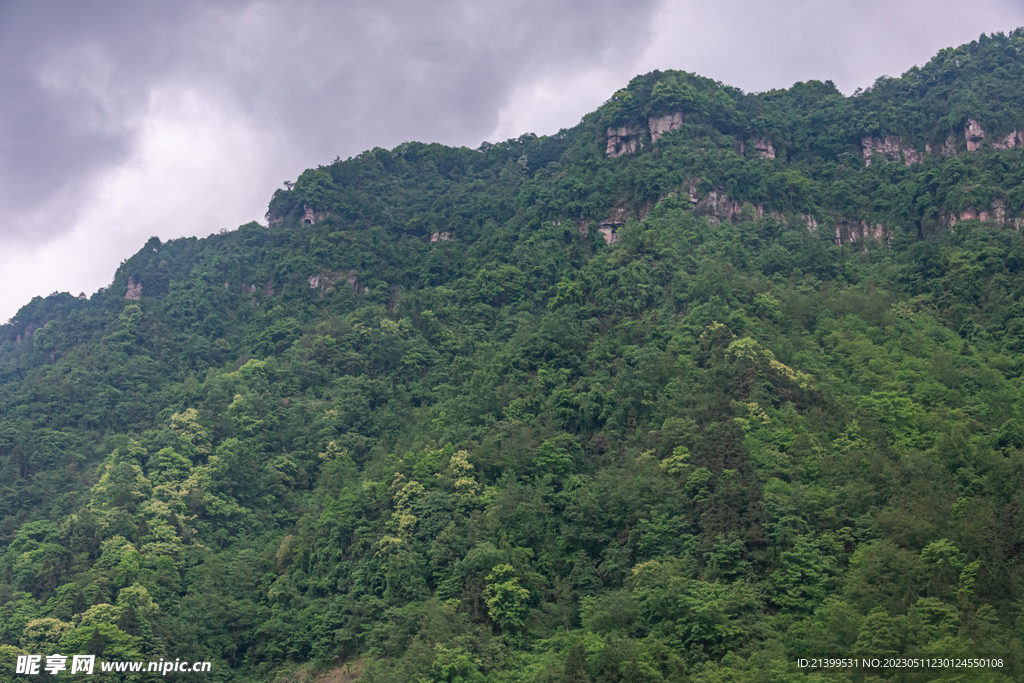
118,122
759,46
332,78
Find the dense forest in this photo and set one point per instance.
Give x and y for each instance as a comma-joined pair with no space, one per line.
708,383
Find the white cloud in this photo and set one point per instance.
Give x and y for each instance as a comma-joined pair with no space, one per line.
558,100
759,46
197,167
117,130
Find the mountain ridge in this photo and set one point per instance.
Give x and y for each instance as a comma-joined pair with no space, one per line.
707,383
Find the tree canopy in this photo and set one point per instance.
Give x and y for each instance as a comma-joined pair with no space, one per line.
749,391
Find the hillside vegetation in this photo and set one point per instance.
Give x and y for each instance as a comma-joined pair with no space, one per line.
710,382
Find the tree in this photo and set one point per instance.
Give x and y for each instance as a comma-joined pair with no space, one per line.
506,600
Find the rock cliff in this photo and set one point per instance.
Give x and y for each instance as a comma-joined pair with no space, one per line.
134,290
892,148
859,231
659,125
717,207
610,226
1011,141
974,134
764,147
326,279
622,140
996,213
948,148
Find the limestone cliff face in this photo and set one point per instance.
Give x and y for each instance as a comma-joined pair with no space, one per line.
134,290
326,279
30,328
974,134
609,227
996,213
849,232
441,237
1011,141
659,125
999,211
948,148
610,235
764,147
622,140
267,287
310,217
892,148
717,207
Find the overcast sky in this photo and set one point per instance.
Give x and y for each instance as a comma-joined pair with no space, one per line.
120,121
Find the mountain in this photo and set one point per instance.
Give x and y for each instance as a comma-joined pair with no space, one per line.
708,383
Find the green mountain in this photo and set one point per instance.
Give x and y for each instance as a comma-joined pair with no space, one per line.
711,382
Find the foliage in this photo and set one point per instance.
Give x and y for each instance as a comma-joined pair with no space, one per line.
524,453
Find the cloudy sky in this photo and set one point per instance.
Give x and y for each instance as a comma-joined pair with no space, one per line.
120,121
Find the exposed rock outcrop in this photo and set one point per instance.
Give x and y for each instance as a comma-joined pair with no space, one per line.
622,140
30,328
975,137
974,134
309,218
995,214
764,147
609,227
718,205
948,148
441,237
134,290
692,188
616,218
968,214
892,148
999,211
659,125
859,231
1011,141
268,288
326,279
609,234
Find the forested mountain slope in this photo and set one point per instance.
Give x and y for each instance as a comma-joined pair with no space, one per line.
707,383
